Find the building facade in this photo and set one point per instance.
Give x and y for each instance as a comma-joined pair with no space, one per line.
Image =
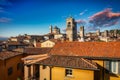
11,66
48,43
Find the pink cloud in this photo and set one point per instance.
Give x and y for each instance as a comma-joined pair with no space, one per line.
80,21
64,30
105,18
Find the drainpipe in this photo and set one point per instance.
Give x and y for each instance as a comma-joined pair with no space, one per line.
103,70
50,72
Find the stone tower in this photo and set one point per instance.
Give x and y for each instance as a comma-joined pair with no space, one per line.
82,33
115,32
98,32
51,29
106,33
71,29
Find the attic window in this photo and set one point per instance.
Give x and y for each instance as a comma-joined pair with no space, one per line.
68,72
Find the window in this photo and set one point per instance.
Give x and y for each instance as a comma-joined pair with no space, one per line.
69,24
45,79
10,70
18,66
44,66
114,67
68,72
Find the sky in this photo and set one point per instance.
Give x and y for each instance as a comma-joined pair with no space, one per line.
34,17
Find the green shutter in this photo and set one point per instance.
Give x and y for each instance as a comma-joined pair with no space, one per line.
118,67
107,66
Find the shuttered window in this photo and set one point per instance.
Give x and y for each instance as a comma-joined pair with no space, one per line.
113,66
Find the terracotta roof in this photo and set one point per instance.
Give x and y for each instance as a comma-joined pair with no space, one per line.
7,54
69,62
33,51
38,44
88,49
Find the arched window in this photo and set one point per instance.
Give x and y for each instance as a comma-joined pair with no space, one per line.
69,24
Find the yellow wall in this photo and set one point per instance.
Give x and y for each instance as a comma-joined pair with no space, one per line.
115,77
58,73
47,44
11,62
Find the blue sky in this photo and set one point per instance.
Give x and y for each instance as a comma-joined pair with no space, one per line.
35,16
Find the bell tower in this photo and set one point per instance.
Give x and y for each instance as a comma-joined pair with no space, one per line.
71,29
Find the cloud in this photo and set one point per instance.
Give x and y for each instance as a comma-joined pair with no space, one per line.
91,28
105,18
82,13
80,21
1,10
5,20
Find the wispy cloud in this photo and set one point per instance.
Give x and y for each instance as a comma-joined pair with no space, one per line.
1,10
83,12
80,21
5,3
5,20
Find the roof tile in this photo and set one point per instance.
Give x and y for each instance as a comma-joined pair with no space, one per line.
36,50
90,49
69,62
7,54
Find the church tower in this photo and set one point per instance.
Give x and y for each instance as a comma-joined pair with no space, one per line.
82,33
71,29
50,29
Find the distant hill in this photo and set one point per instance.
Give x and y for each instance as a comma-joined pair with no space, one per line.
3,38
